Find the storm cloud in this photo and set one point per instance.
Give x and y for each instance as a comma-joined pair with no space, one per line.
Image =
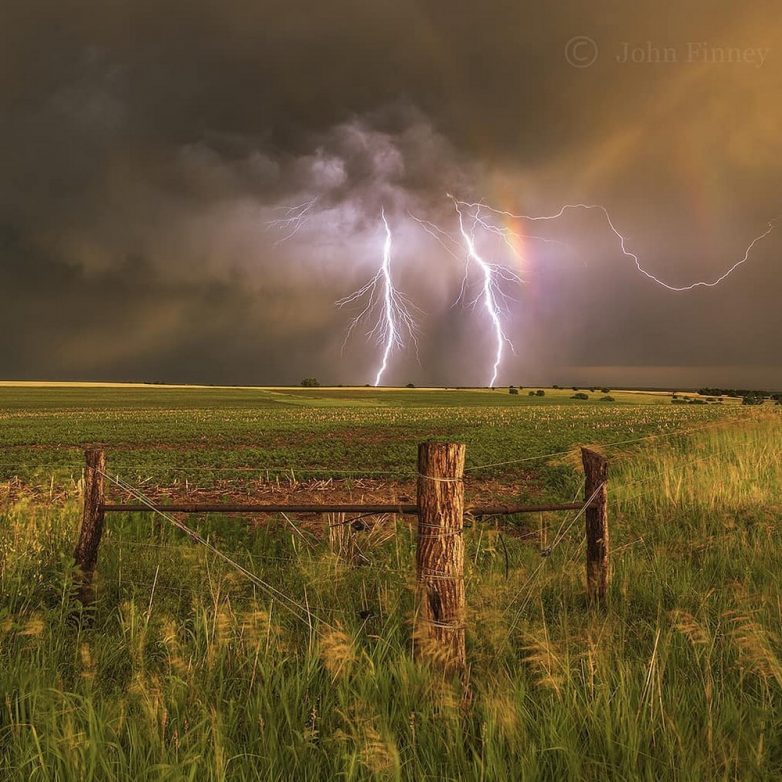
147,150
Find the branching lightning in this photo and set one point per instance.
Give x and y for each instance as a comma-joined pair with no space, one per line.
294,217
623,243
389,310
394,321
492,296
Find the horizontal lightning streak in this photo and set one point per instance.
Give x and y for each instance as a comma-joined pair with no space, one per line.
623,243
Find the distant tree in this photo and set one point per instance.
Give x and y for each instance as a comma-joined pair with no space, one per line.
531,393
606,390
513,390
556,387
310,382
540,392
752,399
580,395
607,399
410,385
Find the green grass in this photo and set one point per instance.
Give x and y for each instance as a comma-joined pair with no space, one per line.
188,672
156,431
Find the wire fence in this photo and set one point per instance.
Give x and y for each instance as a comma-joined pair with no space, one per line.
298,608
565,545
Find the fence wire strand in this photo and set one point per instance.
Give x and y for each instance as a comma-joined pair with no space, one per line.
301,612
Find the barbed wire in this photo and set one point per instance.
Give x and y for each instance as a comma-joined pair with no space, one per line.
292,606
546,554
123,542
613,444
120,583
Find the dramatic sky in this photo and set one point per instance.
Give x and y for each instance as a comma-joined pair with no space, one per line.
147,146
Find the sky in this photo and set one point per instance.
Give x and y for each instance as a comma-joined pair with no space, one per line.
149,150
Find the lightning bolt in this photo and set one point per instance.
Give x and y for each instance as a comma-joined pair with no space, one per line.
390,310
492,295
394,320
623,243
294,217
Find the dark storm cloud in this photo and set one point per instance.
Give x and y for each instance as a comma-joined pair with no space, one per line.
145,146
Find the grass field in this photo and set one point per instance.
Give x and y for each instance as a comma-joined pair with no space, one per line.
151,430
188,672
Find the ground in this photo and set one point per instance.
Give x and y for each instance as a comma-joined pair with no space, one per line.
187,670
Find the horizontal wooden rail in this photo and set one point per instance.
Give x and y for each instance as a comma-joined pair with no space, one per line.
500,510
217,508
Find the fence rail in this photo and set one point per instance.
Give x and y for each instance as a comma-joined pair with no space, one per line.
367,510
439,506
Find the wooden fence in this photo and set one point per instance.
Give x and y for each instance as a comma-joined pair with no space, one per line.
440,509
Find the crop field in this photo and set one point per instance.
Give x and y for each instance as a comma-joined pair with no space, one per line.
185,670
312,431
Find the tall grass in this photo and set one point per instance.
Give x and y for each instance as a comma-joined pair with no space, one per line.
186,673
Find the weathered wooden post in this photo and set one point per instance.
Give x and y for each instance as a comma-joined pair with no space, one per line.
439,636
86,551
597,541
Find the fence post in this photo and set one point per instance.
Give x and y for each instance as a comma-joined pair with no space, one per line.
86,551
598,564
439,635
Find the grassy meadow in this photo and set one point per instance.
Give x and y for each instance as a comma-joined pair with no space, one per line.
187,671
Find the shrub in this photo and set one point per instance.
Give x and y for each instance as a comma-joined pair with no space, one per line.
606,390
580,395
410,385
310,382
531,393
607,399
752,399
540,392
513,390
